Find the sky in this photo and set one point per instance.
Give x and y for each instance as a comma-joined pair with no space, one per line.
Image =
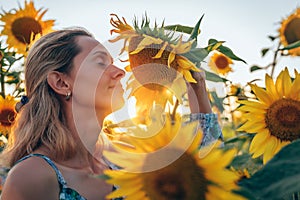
243,25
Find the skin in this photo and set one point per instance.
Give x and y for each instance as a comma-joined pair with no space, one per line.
197,93
34,179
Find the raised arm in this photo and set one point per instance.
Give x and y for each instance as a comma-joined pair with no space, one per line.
201,109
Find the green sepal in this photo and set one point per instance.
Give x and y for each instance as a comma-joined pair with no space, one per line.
179,28
292,46
196,54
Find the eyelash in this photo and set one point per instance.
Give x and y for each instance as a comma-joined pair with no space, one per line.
103,62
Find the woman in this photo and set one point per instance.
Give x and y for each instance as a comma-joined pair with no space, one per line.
71,85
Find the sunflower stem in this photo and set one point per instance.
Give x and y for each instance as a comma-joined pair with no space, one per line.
2,92
274,63
174,110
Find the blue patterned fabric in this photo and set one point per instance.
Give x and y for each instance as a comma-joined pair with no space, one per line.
209,124
65,193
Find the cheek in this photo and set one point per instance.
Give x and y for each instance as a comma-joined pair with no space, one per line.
86,87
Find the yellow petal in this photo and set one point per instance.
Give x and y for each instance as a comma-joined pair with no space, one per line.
249,126
180,47
251,109
162,49
184,63
137,196
261,94
279,84
258,141
270,87
254,104
147,40
287,83
126,189
128,68
188,76
295,88
271,146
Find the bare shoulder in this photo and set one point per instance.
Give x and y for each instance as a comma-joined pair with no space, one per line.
32,179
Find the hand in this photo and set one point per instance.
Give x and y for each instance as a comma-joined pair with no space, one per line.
198,95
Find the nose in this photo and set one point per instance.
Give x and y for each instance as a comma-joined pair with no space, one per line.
116,73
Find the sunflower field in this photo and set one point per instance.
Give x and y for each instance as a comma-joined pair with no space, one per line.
256,158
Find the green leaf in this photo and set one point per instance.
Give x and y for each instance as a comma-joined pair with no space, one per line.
13,77
196,30
279,177
272,38
264,51
245,161
228,52
196,55
292,46
254,68
217,101
223,49
214,77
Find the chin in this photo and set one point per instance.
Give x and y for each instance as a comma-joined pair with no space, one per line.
117,103
117,99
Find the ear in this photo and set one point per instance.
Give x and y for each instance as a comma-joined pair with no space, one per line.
59,82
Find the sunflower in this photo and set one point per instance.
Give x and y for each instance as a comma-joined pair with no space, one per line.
161,95
220,63
22,25
176,169
134,136
289,31
274,117
153,54
7,114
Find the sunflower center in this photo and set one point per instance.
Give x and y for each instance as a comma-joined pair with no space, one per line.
283,119
148,71
7,117
181,180
292,31
22,28
221,62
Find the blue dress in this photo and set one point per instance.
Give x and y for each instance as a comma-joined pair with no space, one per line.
65,193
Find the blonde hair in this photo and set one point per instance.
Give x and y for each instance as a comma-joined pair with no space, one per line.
42,120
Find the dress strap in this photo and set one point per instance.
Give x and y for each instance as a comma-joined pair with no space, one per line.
60,178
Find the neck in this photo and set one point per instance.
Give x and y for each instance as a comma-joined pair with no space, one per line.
85,124
84,163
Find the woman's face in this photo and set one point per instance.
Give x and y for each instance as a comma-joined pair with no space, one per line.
95,80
